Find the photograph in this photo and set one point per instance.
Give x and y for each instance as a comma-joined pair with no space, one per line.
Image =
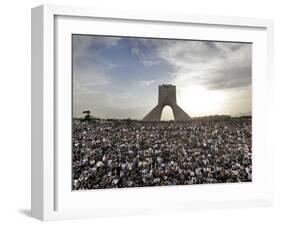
159,111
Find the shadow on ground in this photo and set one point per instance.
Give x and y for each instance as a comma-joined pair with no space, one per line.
26,212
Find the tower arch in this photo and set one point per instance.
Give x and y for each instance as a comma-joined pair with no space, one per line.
167,96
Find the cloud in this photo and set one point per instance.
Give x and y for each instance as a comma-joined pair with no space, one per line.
140,48
214,65
88,48
89,67
87,79
188,53
229,77
110,41
145,83
123,96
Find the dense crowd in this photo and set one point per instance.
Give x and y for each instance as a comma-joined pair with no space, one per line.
127,153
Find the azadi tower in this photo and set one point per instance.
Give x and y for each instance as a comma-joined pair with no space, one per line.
167,96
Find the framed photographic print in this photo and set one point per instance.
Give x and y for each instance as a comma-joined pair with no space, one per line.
137,112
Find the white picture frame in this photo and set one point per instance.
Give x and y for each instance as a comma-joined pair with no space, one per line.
52,197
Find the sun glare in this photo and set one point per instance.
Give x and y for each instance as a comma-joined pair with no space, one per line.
198,101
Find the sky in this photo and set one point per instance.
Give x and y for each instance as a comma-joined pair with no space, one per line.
118,77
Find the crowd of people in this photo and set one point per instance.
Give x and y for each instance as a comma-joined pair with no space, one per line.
128,153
